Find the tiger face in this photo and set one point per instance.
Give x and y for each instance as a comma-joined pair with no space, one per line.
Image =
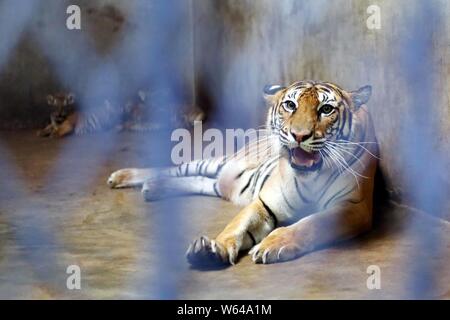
62,105
307,115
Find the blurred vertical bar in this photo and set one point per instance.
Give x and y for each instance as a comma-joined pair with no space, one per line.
33,231
171,35
423,158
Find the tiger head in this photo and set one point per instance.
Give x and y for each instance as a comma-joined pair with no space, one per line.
307,115
62,105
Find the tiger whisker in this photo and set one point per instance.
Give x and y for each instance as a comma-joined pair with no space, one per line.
253,151
342,167
255,148
260,154
346,151
333,161
255,142
341,160
358,144
325,160
267,155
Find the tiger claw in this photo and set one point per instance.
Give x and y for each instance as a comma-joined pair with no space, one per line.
205,252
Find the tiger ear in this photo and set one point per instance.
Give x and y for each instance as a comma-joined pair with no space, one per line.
361,96
50,100
70,98
272,92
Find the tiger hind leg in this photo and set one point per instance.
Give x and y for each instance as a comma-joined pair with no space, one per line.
167,187
133,177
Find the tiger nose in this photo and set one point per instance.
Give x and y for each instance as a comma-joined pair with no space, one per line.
301,135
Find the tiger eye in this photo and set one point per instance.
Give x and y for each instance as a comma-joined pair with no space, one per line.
290,105
326,109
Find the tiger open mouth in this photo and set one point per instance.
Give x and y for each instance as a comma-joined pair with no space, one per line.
304,160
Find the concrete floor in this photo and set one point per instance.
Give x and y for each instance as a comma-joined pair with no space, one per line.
56,210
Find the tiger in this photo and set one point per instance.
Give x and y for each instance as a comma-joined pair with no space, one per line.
137,115
63,115
66,118
314,191
134,115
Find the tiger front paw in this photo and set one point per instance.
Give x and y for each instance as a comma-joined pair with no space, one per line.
280,245
206,252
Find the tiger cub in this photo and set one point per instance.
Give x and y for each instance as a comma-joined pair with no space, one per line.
65,119
63,116
314,188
